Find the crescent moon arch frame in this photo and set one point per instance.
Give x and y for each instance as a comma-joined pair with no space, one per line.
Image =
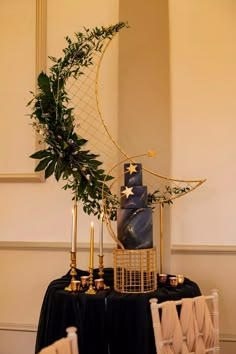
85,96
91,125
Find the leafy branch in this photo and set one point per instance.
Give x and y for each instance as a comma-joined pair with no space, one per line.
165,197
65,155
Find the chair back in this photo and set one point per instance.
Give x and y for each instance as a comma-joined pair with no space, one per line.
66,345
189,325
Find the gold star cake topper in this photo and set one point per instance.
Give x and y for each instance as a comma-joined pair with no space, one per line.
128,191
132,168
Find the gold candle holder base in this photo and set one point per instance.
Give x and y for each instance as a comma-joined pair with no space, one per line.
100,272
73,271
90,290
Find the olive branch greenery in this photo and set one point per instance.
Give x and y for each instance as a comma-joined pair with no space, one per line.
65,155
158,197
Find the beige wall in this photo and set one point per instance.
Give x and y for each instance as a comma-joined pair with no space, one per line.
203,73
43,198
173,100
203,83
144,94
17,71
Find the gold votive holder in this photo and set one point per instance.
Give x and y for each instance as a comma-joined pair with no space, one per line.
162,278
84,279
99,284
173,281
180,278
75,285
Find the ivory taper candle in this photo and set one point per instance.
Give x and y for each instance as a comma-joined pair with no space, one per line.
91,245
74,228
101,237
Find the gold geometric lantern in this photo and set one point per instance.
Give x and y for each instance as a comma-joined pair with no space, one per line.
135,271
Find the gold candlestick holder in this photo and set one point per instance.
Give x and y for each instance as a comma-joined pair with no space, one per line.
73,271
90,290
100,269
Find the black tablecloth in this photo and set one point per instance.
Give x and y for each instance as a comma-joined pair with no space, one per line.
108,322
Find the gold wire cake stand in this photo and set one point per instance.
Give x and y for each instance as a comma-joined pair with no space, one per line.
135,271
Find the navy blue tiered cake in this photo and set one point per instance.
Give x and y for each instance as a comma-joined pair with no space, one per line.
134,218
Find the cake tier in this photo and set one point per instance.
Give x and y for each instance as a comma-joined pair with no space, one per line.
134,228
133,174
133,197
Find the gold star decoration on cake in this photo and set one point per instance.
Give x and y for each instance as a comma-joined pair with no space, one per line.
132,168
128,191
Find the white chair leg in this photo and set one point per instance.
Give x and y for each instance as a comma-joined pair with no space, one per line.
215,318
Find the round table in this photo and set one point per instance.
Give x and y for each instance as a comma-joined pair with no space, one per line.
108,322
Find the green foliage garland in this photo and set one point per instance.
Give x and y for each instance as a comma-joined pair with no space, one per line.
165,197
65,154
